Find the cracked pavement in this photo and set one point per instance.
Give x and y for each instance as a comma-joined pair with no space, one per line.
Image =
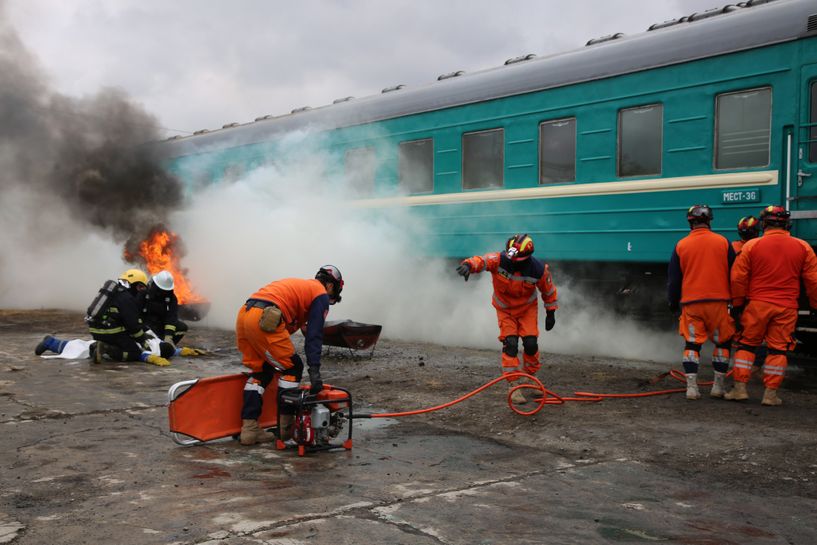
87,458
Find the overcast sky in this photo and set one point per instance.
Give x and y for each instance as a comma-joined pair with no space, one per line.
202,63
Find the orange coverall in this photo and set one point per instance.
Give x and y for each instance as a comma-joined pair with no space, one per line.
737,246
767,274
699,282
303,302
514,298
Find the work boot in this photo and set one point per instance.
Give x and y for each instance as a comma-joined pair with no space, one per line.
737,393
44,345
518,398
252,434
717,385
770,398
692,386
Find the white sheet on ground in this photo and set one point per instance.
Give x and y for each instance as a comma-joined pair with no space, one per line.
77,349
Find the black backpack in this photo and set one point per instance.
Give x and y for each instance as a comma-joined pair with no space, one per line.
102,300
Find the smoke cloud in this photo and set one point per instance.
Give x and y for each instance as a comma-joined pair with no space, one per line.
87,154
76,177
78,180
286,221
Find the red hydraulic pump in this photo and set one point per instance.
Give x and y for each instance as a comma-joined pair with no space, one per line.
317,419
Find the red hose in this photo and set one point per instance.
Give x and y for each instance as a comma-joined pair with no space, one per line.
548,397
537,385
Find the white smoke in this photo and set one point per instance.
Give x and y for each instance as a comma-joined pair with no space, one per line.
47,258
288,220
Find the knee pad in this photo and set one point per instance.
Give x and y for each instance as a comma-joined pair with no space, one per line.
747,348
776,352
693,346
725,345
530,345
511,345
266,374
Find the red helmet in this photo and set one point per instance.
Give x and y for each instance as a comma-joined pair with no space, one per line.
519,247
748,228
700,213
331,275
775,216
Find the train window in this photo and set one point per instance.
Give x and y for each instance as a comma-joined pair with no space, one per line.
557,151
640,140
812,147
482,159
361,164
743,128
416,164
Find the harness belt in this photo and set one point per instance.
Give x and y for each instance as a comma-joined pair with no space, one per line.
258,303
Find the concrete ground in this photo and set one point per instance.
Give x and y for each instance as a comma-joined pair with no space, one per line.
87,457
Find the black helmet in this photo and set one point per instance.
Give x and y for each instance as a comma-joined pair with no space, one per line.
775,216
748,228
519,247
700,213
331,275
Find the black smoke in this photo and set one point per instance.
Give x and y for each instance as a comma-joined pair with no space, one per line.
91,154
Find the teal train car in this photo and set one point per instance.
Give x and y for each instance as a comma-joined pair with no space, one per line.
596,153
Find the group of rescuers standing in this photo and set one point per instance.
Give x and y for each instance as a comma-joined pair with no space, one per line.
739,302
739,296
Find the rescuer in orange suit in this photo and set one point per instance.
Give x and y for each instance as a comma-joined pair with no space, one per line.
748,228
765,291
263,328
516,276
698,287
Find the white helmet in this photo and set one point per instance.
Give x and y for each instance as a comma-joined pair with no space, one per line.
163,280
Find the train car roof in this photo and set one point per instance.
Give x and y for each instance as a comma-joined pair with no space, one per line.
706,34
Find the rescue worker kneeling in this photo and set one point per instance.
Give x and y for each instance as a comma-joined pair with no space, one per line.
768,273
698,287
263,328
516,276
159,308
116,324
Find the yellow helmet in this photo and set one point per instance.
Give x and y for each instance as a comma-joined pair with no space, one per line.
132,276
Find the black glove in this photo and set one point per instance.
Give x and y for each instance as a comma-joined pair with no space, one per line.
464,270
736,312
550,319
316,384
675,308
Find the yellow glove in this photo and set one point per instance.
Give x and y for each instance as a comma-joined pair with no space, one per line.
188,351
157,360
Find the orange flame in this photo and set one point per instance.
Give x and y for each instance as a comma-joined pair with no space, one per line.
159,250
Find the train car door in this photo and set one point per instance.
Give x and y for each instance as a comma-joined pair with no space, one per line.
803,171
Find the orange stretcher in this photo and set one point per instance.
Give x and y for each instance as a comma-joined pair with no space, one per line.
210,408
